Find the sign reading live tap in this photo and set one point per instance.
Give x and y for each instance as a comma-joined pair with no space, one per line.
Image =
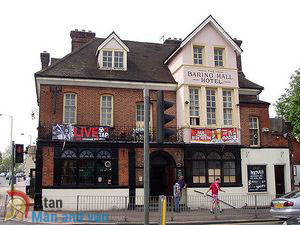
69,132
211,77
221,135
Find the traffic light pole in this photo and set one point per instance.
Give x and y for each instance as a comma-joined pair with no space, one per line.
12,167
146,155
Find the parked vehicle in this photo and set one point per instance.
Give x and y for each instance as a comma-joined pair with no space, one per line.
2,174
286,206
292,221
8,175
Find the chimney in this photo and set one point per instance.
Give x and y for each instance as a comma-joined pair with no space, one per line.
79,38
45,59
174,41
238,57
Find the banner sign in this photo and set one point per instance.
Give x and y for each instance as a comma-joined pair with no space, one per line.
257,179
221,135
211,77
69,132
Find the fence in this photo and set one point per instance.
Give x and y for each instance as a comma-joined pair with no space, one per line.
194,208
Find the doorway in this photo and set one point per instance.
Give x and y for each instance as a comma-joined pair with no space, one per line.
279,179
162,173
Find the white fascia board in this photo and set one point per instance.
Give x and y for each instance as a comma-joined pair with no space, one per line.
107,40
104,83
245,91
219,29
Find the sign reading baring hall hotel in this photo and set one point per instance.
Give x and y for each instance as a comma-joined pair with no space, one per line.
211,77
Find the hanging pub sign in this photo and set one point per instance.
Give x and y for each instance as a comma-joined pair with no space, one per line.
220,135
257,179
69,132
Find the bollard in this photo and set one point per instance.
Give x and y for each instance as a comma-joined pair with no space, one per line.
162,210
255,197
172,208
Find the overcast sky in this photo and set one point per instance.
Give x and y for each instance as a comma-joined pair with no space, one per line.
270,31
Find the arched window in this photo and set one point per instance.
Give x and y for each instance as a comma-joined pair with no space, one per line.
103,154
69,166
199,168
213,155
69,154
86,167
103,166
87,154
229,168
228,155
214,166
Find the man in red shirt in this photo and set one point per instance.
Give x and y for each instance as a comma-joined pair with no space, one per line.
215,188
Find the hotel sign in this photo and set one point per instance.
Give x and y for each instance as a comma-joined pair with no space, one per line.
211,77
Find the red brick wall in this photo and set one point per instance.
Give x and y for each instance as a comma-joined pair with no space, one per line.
296,152
48,166
88,105
262,112
123,167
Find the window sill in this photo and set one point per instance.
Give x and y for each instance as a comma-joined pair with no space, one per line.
113,68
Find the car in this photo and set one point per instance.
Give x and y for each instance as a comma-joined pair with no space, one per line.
293,221
2,174
286,206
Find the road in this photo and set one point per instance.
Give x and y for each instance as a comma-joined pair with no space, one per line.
260,223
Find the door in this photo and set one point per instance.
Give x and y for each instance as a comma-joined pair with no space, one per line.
279,179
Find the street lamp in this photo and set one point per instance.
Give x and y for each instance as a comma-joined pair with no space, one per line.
12,152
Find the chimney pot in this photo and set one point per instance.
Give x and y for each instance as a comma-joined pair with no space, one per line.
79,38
45,59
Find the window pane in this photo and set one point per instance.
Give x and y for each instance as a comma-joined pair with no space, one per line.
106,110
198,55
218,56
69,108
194,107
107,59
68,171
211,106
227,108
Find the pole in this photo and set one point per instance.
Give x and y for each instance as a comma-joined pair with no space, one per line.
146,156
12,156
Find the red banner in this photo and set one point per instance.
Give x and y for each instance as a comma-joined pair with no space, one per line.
220,135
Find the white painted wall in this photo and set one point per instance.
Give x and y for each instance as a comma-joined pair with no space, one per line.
269,157
103,199
297,177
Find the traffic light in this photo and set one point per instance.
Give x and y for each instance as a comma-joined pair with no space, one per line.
163,133
19,153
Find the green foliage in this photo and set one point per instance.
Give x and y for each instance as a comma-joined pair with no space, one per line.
5,162
288,104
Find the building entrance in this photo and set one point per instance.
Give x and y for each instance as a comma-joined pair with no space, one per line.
162,173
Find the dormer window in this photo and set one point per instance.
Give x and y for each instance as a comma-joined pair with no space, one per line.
112,54
107,59
118,59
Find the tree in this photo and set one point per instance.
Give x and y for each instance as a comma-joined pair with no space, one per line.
288,104
5,162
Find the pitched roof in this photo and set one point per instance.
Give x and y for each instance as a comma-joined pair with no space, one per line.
219,29
145,64
245,83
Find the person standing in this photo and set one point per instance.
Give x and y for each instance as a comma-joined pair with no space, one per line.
181,183
27,185
215,188
176,195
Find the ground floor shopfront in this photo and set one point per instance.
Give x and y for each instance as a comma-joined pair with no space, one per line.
71,169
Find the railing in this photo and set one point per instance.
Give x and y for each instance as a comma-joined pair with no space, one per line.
192,208
115,134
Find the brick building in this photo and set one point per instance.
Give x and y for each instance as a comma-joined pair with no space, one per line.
91,117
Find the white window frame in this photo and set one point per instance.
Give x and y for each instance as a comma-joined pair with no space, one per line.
227,107
64,108
118,60
209,105
140,123
254,128
198,57
219,61
107,56
113,55
104,123
194,104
